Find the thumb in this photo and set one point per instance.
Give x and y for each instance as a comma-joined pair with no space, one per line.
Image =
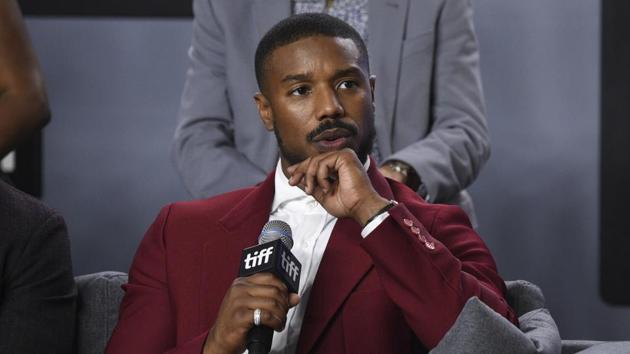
294,299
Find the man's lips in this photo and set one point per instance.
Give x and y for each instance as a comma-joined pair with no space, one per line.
333,139
332,135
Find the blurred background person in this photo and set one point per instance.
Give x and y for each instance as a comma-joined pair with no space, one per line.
23,102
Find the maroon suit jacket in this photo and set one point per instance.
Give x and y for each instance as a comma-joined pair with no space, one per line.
397,291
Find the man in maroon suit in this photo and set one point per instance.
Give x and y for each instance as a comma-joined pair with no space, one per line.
383,271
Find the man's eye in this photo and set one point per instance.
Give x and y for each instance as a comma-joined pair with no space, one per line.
347,84
300,91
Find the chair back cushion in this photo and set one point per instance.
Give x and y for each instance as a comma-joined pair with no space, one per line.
479,329
524,296
99,299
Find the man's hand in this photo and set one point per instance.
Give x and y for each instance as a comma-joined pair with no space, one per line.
339,183
390,172
236,315
403,173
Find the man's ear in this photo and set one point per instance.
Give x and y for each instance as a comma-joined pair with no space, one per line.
264,110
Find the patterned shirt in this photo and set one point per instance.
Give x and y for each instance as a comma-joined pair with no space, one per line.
354,12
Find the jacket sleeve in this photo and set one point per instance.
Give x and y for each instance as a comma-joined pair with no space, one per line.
146,322
204,150
450,157
38,293
431,275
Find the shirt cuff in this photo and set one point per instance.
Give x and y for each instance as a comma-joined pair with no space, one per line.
372,225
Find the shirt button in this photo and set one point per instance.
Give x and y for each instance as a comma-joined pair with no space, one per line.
408,222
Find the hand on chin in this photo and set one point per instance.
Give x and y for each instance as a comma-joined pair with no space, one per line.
337,180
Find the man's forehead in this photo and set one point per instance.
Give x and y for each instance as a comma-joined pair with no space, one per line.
298,55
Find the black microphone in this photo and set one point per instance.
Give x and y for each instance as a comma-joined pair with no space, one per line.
273,255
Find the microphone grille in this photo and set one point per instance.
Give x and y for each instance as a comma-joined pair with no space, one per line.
276,229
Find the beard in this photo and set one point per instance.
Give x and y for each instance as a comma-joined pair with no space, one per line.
362,151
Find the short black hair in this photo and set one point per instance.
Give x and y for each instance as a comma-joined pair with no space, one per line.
297,27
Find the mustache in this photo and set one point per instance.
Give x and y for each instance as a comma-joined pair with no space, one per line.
331,124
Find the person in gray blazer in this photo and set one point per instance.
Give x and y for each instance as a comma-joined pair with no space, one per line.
430,119
37,289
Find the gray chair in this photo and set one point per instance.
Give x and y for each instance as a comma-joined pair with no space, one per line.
524,297
478,329
594,347
97,309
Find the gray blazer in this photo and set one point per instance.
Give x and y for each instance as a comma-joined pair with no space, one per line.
37,290
429,101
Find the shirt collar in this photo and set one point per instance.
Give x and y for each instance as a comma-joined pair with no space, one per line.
284,192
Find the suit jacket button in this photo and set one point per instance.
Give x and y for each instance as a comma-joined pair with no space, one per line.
408,222
430,245
415,230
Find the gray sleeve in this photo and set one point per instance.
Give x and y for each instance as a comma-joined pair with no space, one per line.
204,150
38,309
450,157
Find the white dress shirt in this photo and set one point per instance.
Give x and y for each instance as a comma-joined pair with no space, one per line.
311,226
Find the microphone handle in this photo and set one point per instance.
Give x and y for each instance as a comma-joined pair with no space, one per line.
276,258
259,340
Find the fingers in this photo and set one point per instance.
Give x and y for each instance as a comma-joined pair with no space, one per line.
262,291
296,178
265,279
345,192
310,175
266,292
273,313
294,299
313,175
323,175
271,292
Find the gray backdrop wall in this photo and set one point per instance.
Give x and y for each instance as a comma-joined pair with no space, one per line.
114,87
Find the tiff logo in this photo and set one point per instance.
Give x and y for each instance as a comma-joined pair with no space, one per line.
258,258
289,266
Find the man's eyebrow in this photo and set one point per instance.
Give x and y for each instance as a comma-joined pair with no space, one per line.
351,71
297,77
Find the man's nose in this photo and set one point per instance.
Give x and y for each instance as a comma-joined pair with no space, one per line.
328,105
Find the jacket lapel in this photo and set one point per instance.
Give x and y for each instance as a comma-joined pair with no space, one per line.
343,265
252,212
241,225
386,30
